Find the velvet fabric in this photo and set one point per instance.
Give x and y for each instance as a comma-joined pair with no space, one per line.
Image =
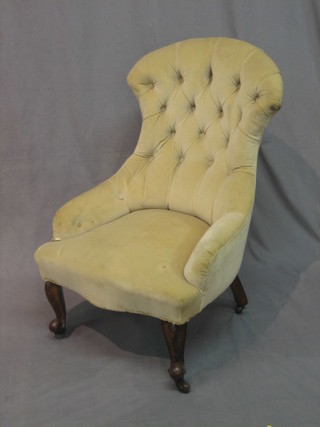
165,235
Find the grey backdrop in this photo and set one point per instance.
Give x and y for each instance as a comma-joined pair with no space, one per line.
68,121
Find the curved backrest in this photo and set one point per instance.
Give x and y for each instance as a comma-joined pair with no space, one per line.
204,105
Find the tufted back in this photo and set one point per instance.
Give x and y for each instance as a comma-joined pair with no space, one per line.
204,106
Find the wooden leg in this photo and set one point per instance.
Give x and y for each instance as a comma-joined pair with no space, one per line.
239,295
175,336
55,297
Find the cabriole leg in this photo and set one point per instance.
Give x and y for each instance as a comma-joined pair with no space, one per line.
239,295
175,336
55,297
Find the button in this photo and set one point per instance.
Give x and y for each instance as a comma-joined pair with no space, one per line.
181,159
275,107
163,108
120,196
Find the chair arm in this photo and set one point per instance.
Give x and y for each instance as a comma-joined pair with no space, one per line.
216,259
95,207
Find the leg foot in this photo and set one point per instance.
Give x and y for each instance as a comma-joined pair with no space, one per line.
56,299
239,295
175,336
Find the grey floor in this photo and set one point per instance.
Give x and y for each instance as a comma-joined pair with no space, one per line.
257,369
67,122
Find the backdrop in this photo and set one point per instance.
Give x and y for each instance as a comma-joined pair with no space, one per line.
68,121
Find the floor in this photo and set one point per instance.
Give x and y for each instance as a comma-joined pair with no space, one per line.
259,368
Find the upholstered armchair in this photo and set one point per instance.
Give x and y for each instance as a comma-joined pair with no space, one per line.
165,235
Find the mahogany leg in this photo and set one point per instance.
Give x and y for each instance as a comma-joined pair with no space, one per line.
175,336
239,295
55,297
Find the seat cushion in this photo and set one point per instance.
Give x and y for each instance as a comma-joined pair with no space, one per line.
134,263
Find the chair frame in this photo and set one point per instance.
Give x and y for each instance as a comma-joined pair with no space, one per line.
175,335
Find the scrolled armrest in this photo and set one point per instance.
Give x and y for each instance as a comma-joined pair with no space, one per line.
95,207
217,258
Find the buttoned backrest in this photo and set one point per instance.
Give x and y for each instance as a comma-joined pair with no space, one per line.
204,106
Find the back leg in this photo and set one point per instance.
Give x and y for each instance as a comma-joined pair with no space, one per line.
239,295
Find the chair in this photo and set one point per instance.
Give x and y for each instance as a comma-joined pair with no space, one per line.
165,235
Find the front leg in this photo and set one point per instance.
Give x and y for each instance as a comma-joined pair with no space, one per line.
55,297
175,336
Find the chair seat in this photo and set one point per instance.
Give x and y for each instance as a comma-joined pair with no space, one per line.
134,263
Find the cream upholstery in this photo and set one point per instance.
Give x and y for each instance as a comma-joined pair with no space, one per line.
165,235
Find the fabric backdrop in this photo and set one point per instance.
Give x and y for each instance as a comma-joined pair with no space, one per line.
67,122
